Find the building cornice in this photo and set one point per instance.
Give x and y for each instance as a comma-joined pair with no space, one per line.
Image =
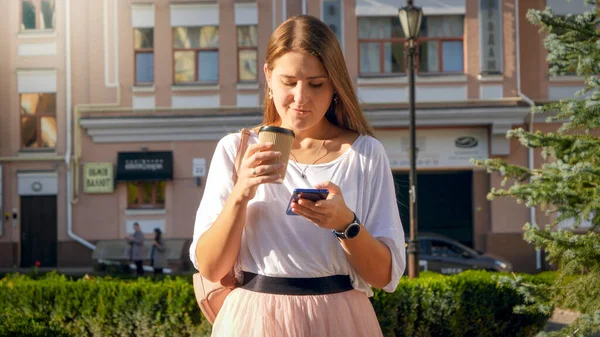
123,128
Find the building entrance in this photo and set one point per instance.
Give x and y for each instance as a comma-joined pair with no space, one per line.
444,203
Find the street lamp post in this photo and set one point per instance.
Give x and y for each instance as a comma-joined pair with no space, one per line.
410,18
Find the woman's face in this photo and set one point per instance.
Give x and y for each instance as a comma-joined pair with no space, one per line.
302,90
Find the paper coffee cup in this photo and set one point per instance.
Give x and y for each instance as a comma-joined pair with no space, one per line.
282,141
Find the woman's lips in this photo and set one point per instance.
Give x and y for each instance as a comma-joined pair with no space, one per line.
301,111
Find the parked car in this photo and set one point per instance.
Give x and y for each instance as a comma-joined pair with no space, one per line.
444,255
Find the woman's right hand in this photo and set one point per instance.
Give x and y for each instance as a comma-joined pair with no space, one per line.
253,173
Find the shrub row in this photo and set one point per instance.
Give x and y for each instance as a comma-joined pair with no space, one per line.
467,304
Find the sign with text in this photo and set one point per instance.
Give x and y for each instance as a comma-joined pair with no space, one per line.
98,178
199,167
147,165
436,148
490,30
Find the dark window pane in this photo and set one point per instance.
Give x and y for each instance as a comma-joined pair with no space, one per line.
369,57
429,56
147,187
248,65
332,17
48,134
452,54
247,36
393,57
160,193
133,198
144,38
185,67
29,131
208,65
28,19
47,15
144,67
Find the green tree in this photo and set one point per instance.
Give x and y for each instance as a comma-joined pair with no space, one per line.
567,185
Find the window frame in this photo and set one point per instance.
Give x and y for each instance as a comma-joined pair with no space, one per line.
140,189
38,12
404,41
38,123
197,52
241,48
381,43
440,41
137,51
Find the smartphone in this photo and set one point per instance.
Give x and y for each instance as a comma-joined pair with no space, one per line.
307,193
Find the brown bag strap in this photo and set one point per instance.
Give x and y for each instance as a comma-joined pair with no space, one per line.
229,280
237,162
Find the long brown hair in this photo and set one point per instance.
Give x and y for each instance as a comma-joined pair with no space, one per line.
304,33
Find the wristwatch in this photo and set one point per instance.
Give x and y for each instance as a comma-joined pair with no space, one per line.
350,232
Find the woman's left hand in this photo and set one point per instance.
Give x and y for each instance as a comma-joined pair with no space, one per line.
331,213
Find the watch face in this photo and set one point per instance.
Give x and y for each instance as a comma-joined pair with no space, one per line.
353,231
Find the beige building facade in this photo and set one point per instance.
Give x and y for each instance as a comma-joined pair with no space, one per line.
110,111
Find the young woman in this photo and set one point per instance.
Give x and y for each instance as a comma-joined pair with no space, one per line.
158,256
299,278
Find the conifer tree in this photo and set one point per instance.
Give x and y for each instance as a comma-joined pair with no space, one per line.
567,185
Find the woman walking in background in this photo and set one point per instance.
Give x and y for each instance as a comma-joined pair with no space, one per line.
158,256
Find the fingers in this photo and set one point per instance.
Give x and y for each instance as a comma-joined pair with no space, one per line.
258,153
331,187
306,208
263,170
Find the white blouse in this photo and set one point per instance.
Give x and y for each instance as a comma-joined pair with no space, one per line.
281,245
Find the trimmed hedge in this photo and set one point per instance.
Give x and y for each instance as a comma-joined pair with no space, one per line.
471,303
467,304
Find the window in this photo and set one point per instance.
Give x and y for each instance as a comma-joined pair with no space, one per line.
146,194
332,16
441,248
381,43
196,54
247,53
440,45
38,121
144,55
37,15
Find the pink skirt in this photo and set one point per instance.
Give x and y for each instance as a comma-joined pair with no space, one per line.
252,314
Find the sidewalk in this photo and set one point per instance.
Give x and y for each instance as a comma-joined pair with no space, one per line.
561,318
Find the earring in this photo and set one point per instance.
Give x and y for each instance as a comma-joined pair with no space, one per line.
270,93
335,99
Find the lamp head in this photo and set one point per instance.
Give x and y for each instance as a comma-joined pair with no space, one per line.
410,19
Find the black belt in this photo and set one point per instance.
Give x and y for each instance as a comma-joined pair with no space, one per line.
296,286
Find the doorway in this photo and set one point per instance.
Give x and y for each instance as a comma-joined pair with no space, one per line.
38,231
444,203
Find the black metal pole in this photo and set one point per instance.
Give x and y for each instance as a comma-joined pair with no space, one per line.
413,244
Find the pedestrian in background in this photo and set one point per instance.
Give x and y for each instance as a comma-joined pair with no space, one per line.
158,256
136,241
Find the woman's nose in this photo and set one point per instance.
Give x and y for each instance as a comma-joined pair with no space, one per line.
300,94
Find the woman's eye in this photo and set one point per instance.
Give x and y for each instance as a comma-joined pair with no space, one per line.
289,84
316,85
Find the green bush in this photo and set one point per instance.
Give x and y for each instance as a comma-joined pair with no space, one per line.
472,303
468,304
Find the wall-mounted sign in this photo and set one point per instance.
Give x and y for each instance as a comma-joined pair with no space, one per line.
490,30
436,148
98,178
145,165
199,167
